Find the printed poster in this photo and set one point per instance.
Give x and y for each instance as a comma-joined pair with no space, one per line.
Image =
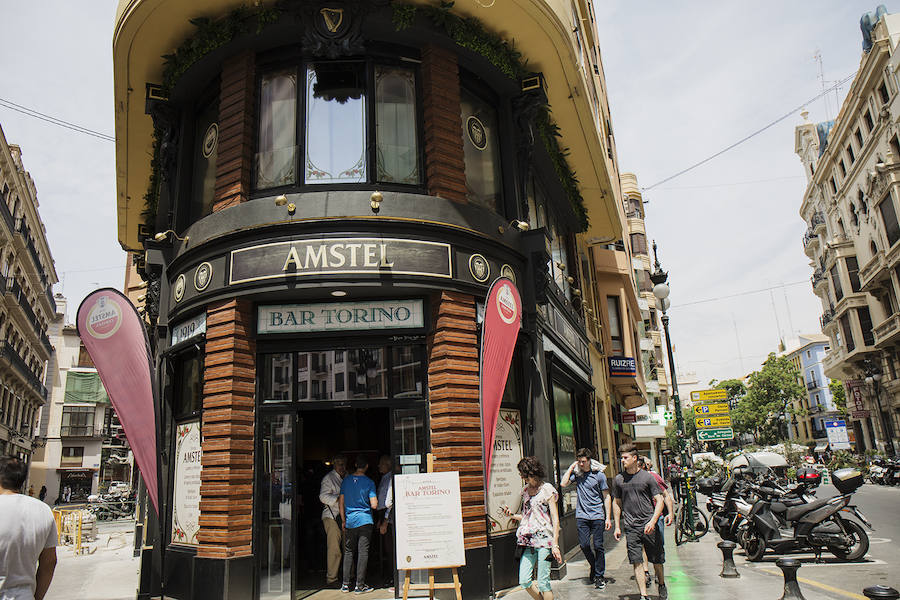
429,521
186,496
506,485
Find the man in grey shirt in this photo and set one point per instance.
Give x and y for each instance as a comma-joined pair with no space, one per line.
639,498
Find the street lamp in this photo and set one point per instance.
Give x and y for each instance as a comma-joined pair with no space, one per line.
661,291
873,378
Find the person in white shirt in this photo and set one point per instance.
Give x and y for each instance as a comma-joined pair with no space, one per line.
329,492
27,537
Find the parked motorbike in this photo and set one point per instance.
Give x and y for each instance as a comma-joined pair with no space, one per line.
783,525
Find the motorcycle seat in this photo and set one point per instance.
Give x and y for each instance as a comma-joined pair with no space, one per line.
795,512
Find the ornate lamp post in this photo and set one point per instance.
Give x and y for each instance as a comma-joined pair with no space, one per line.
873,378
661,291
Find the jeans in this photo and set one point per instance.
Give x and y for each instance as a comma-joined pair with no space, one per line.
530,557
595,556
357,539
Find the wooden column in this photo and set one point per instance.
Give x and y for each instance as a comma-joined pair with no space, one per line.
236,126
455,415
445,168
226,491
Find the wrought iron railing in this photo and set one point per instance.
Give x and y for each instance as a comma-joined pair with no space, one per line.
10,354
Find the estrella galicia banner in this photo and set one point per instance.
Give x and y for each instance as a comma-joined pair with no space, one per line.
116,340
502,317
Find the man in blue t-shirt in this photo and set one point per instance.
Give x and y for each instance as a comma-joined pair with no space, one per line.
592,513
357,501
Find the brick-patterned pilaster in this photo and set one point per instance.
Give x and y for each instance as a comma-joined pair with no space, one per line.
236,115
445,167
226,491
455,416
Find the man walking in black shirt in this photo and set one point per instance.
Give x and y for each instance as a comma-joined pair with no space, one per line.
639,498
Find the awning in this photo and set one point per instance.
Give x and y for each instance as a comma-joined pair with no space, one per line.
820,447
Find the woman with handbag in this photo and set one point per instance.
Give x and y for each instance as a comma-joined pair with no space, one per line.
537,537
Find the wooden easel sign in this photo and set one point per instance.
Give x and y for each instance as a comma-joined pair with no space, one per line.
429,528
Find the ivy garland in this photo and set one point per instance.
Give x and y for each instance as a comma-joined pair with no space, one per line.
469,33
151,198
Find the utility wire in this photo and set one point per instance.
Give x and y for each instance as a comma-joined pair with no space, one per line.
748,293
54,121
732,184
754,134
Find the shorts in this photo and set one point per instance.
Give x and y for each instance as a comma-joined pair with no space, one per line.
531,558
653,544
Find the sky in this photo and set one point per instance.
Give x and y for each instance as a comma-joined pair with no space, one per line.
685,80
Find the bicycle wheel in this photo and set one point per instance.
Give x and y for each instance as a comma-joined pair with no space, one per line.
679,526
701,523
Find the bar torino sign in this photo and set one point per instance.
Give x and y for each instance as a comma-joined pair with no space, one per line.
341,316
336,256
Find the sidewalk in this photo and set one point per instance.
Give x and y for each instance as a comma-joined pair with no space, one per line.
692,573
110,573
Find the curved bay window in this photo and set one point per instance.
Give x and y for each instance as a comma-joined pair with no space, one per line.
345,104
481,149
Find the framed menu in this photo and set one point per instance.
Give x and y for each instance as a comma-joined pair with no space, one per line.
429,521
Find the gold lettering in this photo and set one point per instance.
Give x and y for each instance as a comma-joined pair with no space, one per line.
384,262
337,259
291,258
369,253
317,256
353,248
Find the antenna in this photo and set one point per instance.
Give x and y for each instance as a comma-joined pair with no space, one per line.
737,339
818,58
777,322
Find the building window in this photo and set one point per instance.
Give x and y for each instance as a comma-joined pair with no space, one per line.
889,216
833,185
848,333
77,421
396,130
883,93
836,283
850,153
205,153
638,243
336,123
481,150
277,137
188,385
564,421
859,138
865,324
808,353
843,168
867,119
615,325
853,273
72,456
276,378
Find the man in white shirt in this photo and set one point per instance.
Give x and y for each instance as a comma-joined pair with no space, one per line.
27,537
331,513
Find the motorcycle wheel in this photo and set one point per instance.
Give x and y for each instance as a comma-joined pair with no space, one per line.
754,546
858,549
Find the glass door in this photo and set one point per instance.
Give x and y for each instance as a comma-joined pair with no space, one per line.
410,456
277,489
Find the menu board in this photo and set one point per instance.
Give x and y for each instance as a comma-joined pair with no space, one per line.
506,485
186,496
429,521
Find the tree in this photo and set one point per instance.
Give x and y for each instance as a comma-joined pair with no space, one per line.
764,409
839,396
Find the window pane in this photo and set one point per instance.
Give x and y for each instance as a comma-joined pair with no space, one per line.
565,440
891,227
342,375
277,144
206,149
276,377
336,123
406,371
482,151
395,125
188,386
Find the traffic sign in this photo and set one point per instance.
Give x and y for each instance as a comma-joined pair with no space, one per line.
721,433
837,434
709,395
711,409
713,421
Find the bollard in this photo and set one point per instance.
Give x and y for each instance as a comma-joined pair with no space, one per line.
728,568
789,567
882,592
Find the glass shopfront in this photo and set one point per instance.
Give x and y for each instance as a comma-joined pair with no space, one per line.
317,403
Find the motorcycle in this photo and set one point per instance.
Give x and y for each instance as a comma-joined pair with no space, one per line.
809,524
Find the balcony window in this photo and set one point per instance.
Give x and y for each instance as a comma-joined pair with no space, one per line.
889,216
848,333
867,119
77,421
638,243
481,150
82,386
850,153
336,123
853,273
615,325
883,93
865,324
277,137
72,456
859,138
836,283
395,125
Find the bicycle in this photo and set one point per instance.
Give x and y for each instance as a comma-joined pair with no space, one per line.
683,531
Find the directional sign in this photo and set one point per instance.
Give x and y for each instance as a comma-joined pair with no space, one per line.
837,435
721,433
710,409
713,421
709,395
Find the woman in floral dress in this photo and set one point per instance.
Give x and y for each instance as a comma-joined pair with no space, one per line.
538,532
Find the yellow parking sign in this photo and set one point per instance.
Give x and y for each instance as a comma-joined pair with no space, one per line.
710,409
713,421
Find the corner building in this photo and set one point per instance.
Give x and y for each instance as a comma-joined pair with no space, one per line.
318,196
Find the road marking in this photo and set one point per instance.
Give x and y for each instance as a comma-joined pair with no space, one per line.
874,540
823,586
869,560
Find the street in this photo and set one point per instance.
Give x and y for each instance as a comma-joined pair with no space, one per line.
109,573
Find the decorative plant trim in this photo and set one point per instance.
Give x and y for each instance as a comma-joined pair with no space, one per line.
151,198
212,34
469,33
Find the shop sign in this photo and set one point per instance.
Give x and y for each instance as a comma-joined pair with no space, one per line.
340,256
429,521
622,366
506,485
860,414
629,416
341,316
186,494
187,330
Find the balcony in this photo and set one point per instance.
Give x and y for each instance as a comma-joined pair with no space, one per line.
9,353
23,230
7,218
812,385
888,331
826,318
817,223
873,271
76,431
12,287
818,279
810,242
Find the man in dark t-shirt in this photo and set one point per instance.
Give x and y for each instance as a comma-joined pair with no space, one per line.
639,500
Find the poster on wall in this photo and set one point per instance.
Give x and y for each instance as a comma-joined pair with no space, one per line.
506,485
429,521
186,495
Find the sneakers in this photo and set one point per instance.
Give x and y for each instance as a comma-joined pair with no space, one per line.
345,587
663,591
362,589
645,597
600,584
